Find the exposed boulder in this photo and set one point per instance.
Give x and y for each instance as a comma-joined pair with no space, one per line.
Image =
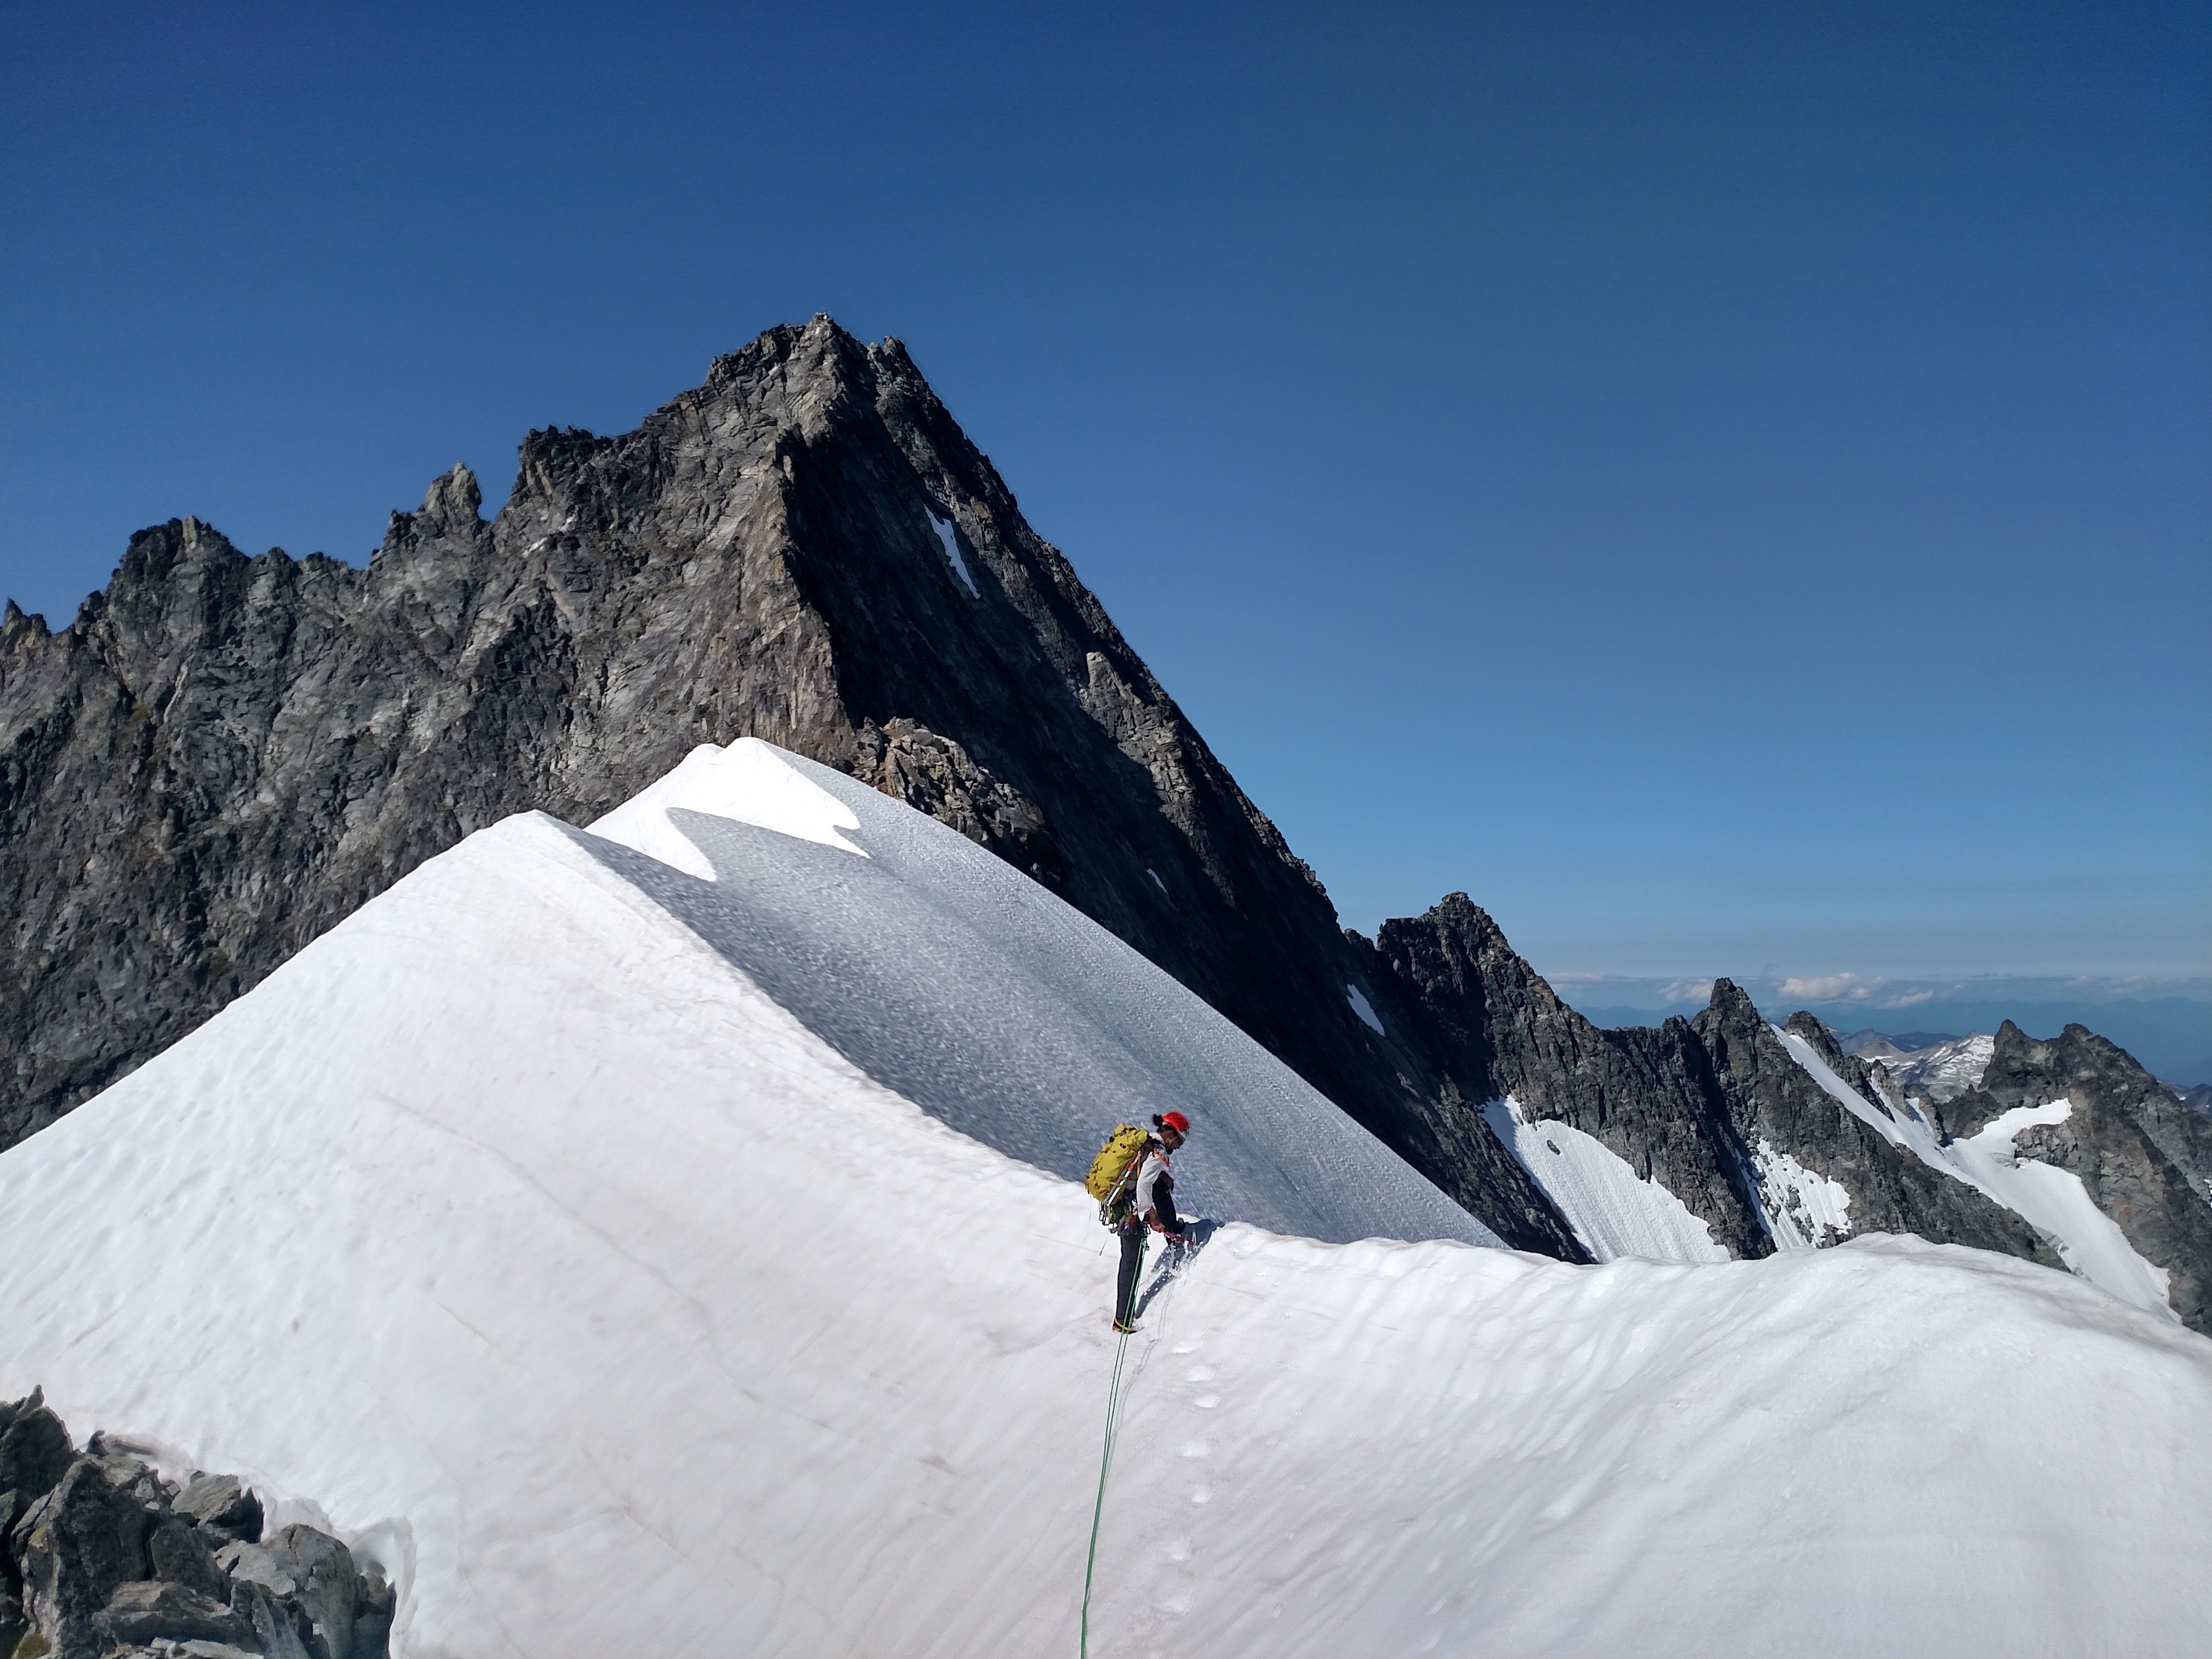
137,1614
178,1552
224,1511
325,1585
112,1560
35,1452
74,1547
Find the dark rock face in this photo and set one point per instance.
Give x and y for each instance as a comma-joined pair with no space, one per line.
1495,1028
223,756
222,1509
109,1558
2144,1157
1774,1100
35,1452
137,1614
74,1547
1688,1104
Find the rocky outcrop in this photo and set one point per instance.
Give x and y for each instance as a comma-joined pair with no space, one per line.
1494,1028
102,1557
1775,1102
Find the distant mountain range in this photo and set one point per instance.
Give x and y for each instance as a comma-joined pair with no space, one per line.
222,756
2172,1035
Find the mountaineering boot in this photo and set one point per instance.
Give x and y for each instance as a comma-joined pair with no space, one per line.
1122,1329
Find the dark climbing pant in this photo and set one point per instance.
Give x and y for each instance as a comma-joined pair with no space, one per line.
1133,1263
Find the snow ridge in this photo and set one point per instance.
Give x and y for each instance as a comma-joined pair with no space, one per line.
517,1222
963,986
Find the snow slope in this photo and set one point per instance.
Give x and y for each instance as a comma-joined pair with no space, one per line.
1614,1212
527,1229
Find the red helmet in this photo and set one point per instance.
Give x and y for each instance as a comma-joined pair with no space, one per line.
1176,1122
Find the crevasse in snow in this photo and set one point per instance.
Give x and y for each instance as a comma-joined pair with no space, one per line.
617,1304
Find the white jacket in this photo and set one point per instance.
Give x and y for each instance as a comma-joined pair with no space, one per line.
1150,1170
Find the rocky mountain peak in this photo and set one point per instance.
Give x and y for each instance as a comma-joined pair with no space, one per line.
14,622
453,501
1803,1023
1730,1001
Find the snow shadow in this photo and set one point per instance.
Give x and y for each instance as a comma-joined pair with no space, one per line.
1197,1235
956,981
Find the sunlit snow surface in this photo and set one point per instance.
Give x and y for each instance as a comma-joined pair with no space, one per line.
603,1297
948,976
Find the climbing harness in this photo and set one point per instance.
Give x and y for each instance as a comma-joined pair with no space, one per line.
1106,1463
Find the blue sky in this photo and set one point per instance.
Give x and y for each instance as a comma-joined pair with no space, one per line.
1724,485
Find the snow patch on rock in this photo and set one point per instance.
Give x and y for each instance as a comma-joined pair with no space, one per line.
953,555
1363,1009
1946,1070
1803,1210
1614,1212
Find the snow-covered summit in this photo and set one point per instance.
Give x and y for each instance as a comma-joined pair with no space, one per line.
634,1263
1941,1071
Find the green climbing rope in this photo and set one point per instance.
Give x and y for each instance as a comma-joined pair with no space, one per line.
1106,1457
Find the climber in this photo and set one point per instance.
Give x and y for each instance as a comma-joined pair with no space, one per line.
1151,1204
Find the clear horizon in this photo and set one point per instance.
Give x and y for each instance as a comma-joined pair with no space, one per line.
1726,489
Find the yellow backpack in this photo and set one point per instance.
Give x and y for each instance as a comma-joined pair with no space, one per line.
1116,1161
